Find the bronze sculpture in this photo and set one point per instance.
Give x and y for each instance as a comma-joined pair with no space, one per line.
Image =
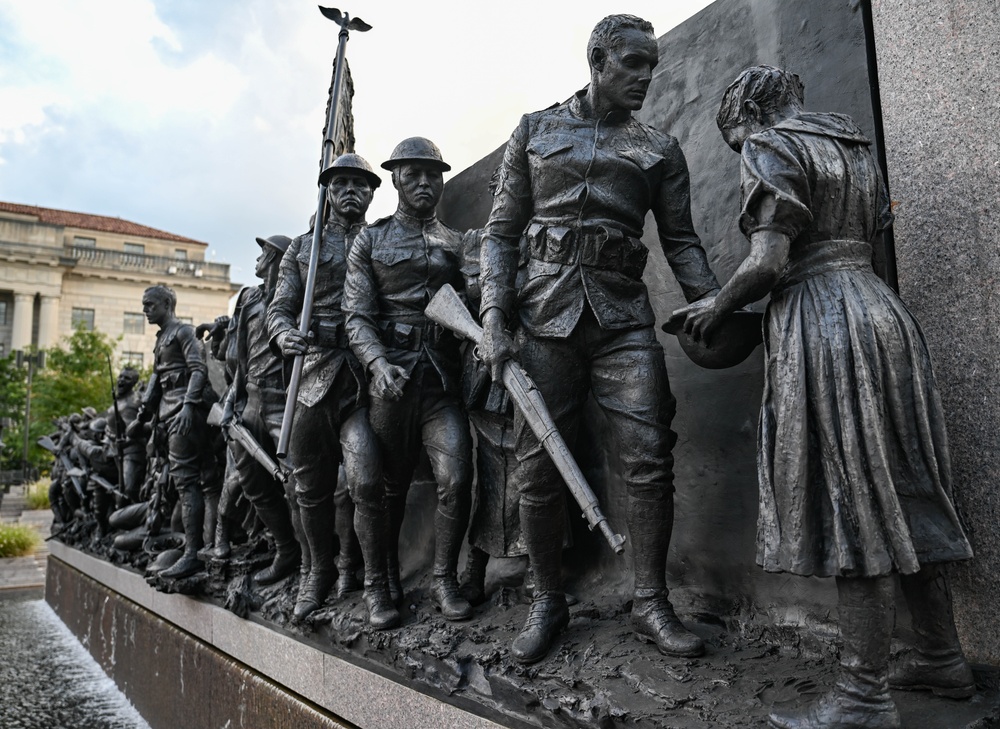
578,180
331,423
853,458
256,400
394,267
174,398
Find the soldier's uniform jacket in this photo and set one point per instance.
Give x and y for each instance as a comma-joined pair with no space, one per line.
394,268
578,188
248,350
179,371
128,407
329,351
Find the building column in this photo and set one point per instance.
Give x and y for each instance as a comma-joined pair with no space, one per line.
48,322
24,309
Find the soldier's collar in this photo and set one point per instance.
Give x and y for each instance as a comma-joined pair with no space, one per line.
580,106
413,220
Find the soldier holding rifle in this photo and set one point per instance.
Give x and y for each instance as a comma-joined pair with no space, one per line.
332,398
414,365
578,180
256,399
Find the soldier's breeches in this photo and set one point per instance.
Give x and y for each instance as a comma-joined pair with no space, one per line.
260,416
625,372
426,416
184,456
331,431
134,469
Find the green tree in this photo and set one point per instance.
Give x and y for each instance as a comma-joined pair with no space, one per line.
75,376
12,392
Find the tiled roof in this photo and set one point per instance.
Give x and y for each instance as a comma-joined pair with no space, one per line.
100,223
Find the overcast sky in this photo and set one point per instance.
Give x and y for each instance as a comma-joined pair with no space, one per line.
204,117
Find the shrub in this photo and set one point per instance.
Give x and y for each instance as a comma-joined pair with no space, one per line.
16,540
37,496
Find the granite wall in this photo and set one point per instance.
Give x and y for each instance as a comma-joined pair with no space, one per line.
938,70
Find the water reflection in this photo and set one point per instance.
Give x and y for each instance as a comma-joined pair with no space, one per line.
48,680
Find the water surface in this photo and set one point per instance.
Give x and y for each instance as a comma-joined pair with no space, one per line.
48,680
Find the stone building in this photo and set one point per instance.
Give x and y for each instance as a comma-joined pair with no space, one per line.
60,268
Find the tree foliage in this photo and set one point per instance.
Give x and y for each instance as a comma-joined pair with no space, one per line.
75,376
12,391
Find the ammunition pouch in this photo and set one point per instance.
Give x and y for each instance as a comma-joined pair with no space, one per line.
174,379
411,337
597,246
329,334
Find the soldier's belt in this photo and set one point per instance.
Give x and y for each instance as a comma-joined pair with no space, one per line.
173,379
597,246
399,335
329,334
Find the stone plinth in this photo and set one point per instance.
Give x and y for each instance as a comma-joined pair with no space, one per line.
939,69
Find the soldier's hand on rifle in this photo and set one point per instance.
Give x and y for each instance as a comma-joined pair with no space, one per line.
388,380
293,342
496,347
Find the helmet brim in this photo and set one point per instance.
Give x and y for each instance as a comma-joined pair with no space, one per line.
738,336
330,172
436,164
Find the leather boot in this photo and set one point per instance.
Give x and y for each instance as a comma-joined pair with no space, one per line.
860,698
448,535
370,528
395,505
473,586
654,621
300,535
936,663
317,521
650,523
349,559
211,501
547,617
223,548
274,514
193,516
542,527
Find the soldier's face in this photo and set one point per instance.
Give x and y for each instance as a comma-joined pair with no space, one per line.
628,70
126,382
264,261
350,196
155,309
419,187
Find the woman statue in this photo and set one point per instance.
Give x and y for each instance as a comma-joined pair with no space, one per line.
852,457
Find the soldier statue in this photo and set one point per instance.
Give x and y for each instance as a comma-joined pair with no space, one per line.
256,399
578,180
174,397
133,450
331,419
414,365
852,456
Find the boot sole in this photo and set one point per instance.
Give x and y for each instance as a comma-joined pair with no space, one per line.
957,693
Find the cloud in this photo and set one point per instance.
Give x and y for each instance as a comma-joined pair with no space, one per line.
205,118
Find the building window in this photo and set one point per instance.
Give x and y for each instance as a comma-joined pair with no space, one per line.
185,320
134,323
82,242
3,313
135,249
82,317
132,359
180,254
